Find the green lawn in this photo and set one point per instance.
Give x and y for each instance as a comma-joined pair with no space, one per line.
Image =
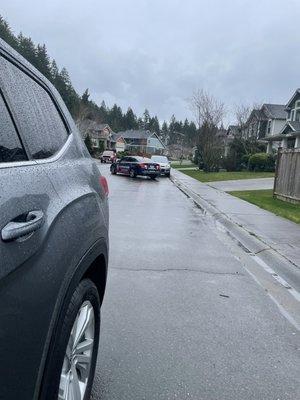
265,200
226,176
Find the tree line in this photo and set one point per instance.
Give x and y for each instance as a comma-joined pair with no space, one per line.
82,106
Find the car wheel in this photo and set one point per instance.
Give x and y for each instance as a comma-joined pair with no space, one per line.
70,369
113,170
153,177
168,175
132,173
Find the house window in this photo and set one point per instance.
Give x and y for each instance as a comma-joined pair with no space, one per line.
297,111
269,127
292,115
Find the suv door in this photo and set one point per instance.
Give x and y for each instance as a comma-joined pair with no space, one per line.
28,205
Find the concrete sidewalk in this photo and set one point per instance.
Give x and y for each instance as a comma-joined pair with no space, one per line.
261,229
243,184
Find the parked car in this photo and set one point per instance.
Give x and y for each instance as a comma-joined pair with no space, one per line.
54,241
134,166
108,156
165,165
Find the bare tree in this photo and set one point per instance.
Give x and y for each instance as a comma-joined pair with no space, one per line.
242,114
206,108
209,113
82,120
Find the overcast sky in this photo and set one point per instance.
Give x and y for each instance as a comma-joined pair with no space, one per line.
155,53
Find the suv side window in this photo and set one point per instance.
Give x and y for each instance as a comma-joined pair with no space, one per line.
38,118
11,148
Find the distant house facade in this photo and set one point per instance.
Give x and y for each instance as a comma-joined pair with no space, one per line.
99,133
266,121
139,141
289,134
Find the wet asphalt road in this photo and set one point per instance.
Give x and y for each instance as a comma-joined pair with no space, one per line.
167,333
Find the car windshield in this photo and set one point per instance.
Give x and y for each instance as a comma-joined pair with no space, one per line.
160,159
143,159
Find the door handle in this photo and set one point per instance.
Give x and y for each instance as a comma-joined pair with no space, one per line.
14,230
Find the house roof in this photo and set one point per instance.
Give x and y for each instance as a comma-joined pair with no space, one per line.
134,134
295,125
276,111
91,125
95,129
233,130
297,93
292,126
256,113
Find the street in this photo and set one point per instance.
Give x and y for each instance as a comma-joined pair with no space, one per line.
182,318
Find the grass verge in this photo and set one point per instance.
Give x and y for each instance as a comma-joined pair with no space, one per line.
264,199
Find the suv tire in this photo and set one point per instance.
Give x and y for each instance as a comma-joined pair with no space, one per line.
83,304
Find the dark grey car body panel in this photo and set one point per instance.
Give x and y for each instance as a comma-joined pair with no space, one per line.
36,271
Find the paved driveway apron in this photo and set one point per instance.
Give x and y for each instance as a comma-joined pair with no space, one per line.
182,318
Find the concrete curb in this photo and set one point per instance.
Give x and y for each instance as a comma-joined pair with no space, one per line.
249,241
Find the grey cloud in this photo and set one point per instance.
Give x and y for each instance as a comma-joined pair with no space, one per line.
154,53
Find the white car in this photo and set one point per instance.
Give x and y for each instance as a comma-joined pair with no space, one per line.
165,165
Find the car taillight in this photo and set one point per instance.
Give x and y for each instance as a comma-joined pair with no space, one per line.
144,166
104,184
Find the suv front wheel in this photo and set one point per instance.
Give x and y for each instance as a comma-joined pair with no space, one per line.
71,366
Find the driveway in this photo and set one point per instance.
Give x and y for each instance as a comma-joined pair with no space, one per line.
243,184
182,317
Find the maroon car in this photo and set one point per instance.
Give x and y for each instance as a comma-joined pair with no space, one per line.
108,156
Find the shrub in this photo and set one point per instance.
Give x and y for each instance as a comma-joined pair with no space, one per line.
88,143
262,162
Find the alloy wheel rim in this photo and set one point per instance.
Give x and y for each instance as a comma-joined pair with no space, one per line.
78,356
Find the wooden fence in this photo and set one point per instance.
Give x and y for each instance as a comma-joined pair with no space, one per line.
287,176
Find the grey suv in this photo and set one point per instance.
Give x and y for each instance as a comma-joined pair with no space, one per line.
53,245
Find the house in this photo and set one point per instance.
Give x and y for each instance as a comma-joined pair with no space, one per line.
289,134
99,133
139,141
117,142
266,121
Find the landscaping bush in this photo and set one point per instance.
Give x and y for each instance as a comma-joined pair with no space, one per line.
229,163
262,162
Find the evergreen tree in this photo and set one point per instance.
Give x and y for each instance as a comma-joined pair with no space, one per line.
141,124
103,112
42,62
27,49
130,120
7,35
85,97
165,132
153,125
115,118
146,119
172,134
